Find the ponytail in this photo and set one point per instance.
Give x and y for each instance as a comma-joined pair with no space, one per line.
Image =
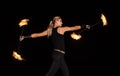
50,27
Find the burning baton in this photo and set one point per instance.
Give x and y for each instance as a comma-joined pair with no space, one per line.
15,53
78,36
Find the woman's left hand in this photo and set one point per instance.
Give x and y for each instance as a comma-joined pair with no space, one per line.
88,26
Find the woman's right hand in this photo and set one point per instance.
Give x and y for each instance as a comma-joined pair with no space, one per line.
21,38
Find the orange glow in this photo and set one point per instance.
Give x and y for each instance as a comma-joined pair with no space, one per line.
75,36
104,20
23,22
17,56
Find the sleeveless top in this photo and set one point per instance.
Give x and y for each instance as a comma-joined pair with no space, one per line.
57,40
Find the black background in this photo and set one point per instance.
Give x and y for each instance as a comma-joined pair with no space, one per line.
82,56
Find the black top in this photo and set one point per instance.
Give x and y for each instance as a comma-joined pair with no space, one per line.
57,40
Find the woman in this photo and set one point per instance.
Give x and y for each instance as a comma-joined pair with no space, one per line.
55,32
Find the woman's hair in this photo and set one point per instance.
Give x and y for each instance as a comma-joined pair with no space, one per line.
51,25
55,19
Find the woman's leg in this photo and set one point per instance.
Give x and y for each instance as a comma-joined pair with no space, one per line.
55,65
64,67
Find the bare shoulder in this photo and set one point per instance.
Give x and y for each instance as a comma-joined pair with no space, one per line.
61,30
64,27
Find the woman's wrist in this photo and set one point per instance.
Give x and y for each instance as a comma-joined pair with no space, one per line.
83,27
28,36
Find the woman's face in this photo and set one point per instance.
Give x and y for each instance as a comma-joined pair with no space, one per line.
59,22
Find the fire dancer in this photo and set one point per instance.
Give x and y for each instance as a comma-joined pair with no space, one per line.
55,32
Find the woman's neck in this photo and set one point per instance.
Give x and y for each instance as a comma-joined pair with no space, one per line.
55,26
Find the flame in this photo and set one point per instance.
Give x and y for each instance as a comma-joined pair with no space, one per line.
75,36
17,56
23,22
104,20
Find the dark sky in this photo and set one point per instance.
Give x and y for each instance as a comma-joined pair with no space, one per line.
81,56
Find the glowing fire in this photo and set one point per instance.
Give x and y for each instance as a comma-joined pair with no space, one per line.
75,36
104,20
17,56
23,22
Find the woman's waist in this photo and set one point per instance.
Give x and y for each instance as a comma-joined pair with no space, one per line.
61,51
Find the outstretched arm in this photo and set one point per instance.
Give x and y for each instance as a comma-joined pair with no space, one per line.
73,28
35,35
77,27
